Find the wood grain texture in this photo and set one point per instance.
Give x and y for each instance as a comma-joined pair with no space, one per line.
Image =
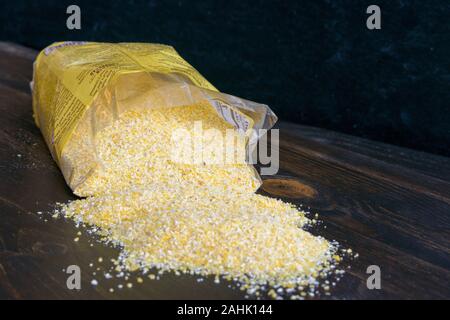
390,205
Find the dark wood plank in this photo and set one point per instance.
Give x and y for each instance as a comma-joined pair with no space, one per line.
389,204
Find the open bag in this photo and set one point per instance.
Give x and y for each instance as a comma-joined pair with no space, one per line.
80,88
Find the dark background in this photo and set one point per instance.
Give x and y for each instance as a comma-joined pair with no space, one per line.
313,62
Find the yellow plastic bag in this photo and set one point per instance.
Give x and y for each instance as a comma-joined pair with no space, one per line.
80,88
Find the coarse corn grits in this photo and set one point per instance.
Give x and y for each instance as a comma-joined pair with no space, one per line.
136,151
197,218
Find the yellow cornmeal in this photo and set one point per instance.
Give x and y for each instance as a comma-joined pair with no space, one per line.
136,151
196,218
217,231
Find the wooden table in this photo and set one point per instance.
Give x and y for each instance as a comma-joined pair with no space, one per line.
390,205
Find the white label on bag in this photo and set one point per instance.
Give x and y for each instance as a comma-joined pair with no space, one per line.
236,119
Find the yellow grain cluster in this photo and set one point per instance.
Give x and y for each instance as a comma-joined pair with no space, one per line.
137,151
198,218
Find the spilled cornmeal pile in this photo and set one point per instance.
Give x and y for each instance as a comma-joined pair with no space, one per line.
203,219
